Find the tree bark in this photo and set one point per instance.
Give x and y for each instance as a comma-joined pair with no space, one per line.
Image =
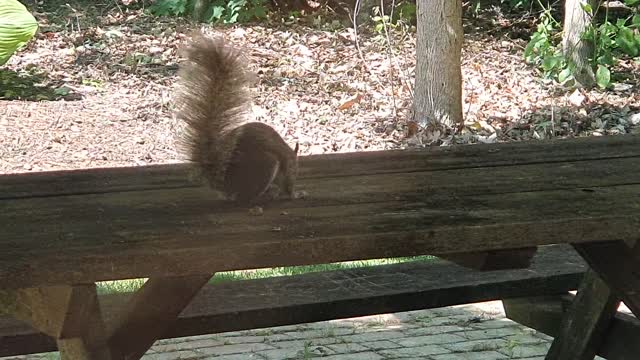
438,86
576,50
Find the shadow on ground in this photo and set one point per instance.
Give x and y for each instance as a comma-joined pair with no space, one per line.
31,87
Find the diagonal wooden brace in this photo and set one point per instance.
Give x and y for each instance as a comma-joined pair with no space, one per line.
614,274
150,312
618,264
583,327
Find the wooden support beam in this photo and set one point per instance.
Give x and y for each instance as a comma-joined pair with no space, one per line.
545,314
618,265
585,323
150,312
71,315
319,296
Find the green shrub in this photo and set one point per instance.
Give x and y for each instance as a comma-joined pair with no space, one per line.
215,11
611,41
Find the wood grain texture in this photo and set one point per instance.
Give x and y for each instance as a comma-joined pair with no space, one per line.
69,314
463,199
584,325
619,265
242,305
121,179
150,312
544,313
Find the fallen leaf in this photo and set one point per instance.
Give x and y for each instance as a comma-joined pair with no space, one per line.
349,103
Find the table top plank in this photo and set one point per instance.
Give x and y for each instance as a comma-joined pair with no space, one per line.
184,229
180,175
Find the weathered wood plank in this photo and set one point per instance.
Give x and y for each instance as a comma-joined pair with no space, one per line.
458,208
98,180
242,305
150,312
466,156
144,234
545,313
493,174
448,195
618,265
45,308
82,349
333,165
71,315
583,328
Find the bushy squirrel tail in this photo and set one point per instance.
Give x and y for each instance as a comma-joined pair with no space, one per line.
212,100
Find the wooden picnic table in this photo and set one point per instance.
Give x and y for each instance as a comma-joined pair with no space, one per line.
479,205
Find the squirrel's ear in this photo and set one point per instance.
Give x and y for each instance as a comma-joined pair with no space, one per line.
297,148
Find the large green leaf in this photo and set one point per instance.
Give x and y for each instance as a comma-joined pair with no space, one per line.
17,26
603,76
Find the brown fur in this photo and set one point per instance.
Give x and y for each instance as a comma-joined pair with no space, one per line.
244,161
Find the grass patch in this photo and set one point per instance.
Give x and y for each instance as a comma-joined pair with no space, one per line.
106,287
119,286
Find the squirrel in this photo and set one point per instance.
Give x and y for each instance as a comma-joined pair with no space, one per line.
247,162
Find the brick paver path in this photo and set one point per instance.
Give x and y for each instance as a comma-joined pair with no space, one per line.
468,332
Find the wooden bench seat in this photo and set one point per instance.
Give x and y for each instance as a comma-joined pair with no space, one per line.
249,304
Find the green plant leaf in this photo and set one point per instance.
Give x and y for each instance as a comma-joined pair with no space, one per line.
17,26
231,19
62,91
621,23
606,58
565,75
551,62
218,11
627,43
588,34
407,11
537,41
587,8
603,76
259,11
169,7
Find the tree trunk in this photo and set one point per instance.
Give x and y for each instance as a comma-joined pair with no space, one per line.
438,87
576,50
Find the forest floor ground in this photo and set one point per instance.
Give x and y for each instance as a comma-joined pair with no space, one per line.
95,87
